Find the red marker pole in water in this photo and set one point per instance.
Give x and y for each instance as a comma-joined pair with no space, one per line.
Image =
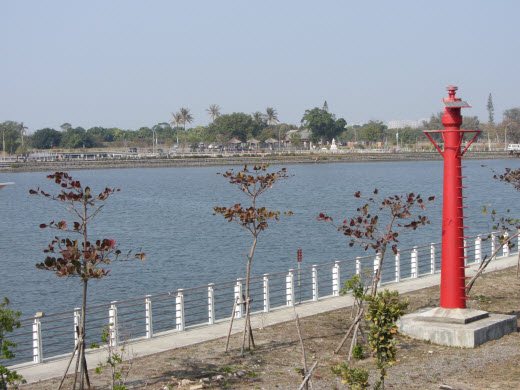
453,286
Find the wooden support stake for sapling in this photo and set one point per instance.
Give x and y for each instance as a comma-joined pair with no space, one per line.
71,359
308,376
304,357
231,323
355,324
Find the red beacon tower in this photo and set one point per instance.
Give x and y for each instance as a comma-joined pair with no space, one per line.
453,285
453,324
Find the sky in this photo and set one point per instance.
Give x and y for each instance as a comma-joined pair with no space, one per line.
130,63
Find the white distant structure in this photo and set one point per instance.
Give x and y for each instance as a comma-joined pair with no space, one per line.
399,124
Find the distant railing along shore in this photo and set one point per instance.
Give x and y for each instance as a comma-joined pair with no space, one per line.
104,160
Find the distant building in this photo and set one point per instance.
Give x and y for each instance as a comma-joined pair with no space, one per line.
290,133
399,124
305,135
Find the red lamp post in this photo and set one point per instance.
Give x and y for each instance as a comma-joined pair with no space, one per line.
453,286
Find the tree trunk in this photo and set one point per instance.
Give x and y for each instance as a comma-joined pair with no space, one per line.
81,355
246,303
247,323
377,275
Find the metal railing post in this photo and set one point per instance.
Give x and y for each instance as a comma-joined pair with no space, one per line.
493,243
336,282
315,294
112,325
414,265
465,245
398,267
518,241
148,317
289,288
239,310
432,258
358,265
211,304
478,249
267,304
179,310
37,339
77,322
505,248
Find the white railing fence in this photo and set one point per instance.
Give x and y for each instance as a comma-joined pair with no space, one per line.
46,336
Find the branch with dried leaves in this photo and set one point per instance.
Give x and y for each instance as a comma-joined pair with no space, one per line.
365,229
80,257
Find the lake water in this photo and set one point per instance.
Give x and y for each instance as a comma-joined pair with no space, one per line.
168,212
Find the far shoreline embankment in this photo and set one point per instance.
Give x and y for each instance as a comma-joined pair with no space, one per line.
202,160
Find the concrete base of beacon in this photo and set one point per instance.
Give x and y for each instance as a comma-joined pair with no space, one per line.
467,328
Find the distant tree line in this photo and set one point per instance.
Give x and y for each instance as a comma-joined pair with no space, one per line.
322,127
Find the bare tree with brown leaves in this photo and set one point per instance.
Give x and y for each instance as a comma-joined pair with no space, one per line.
254,219
79,258
367,231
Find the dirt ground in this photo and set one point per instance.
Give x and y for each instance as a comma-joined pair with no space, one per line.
276,363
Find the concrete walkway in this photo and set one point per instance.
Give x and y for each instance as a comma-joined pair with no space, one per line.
55,366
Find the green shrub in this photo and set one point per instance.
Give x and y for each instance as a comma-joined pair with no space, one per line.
356,378
357,352
384,310
8,322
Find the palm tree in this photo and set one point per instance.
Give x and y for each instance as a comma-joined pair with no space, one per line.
258,117
186,117
177,121
213,111
271,116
